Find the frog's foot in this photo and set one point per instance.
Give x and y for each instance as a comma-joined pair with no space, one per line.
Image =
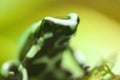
9,71
85,69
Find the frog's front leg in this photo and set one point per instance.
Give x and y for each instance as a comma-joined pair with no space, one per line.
71,64
80,59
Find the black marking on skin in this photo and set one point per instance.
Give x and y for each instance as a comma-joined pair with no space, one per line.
14,73
17,76
35,69
85,69
78,20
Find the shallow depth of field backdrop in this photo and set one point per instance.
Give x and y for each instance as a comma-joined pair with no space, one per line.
98,32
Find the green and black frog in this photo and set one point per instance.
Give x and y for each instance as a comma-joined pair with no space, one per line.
42,48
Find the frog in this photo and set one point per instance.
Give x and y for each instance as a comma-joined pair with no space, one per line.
41,49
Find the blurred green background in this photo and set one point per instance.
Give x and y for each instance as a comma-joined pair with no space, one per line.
97,35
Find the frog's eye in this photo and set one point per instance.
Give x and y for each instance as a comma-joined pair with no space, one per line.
47,26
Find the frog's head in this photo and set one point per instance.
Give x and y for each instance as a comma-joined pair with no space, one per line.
61,26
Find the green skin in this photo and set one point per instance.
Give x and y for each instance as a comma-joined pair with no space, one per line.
42,50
